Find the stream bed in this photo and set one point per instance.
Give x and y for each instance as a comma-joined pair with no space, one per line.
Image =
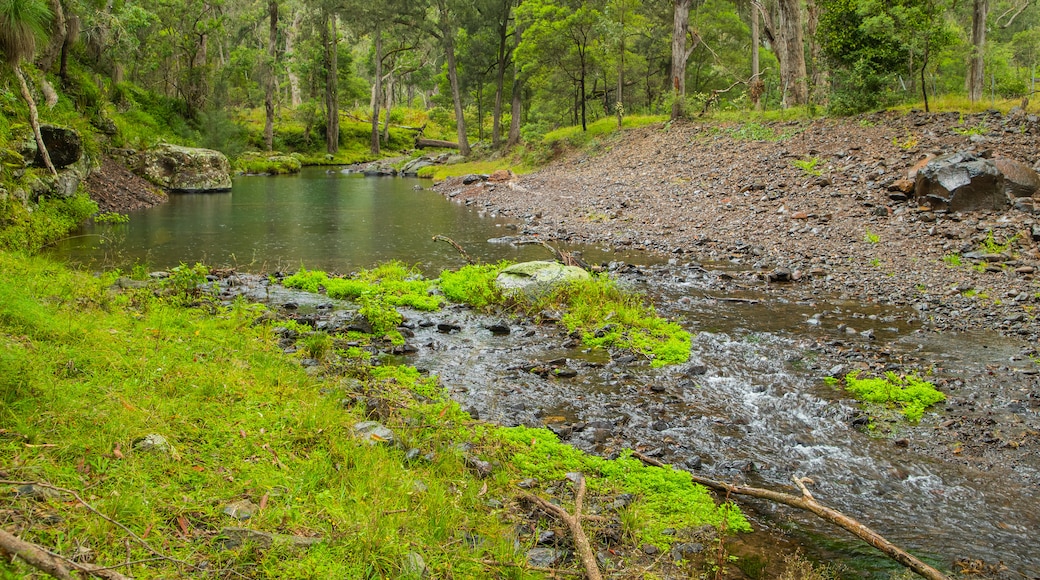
751,406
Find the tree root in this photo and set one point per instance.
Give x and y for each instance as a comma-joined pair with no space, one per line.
581,541
807,502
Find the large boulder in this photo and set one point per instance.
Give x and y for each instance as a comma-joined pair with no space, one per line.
179,168
961,182
538,278
1020,180
63,145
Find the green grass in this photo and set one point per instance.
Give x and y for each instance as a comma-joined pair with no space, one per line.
440,172
871,238
575,137
473,285
809,166
909,393
991,246
274,163
86,371
953,260
50,220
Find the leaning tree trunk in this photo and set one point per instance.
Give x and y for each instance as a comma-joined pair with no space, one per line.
377,90
34,119
456,94
976,72
680,54
57,36
269,71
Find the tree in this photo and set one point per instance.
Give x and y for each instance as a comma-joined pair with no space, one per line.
330,68
21,23
681,52
976,69
783,27
270,78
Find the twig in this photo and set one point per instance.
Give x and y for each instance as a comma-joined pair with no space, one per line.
95,511
458,248
581,541
808,503
565,258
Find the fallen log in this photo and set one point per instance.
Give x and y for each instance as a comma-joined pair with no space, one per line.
423,143
807,502
457,246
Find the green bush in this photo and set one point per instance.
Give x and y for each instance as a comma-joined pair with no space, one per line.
911,393
30,229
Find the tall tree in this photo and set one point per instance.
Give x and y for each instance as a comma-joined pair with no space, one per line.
681,51
976,66
783,27
330,67
270,74
21,23
448,12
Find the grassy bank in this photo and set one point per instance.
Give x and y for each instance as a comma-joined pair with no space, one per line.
88,371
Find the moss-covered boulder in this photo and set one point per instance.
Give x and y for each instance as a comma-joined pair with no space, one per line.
539,277
177,168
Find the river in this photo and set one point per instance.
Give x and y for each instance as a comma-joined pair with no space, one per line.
759,413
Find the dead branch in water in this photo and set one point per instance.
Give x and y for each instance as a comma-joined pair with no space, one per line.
807,502
565,258
581,541
458,248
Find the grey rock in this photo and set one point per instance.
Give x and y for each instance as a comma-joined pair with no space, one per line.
36,492
961,182
152,443
545,557
64,146
538,278
242,509
236,537
179,168
1020,180
374,432
414,566
685,550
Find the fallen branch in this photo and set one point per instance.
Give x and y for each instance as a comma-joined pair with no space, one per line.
565,258
581,541
423,143
95,511
454,244
50,563
807,502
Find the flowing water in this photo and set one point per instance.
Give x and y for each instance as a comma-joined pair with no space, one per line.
752,408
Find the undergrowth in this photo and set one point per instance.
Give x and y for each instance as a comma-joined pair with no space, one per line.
910,394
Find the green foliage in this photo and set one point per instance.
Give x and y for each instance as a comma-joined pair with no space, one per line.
317,345
110,217
871,238
274,164
808,165
991,246
22,22
50,220
669,500
473,285
952,260
909,392
753,131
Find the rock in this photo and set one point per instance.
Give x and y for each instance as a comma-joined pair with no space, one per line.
537,278
448,327
473,178
1020,180
414,566
479,466
374,432
411,169
961,182
63,145
498,327
152,442
684,551
241,510
179,168
545,557
36,492
501,176
238,537
902,185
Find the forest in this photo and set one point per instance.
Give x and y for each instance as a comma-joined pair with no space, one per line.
501,71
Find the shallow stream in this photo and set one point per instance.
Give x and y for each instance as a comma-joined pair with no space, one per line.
751,406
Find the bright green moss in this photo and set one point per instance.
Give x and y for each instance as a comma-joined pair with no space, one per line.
473,284
910,392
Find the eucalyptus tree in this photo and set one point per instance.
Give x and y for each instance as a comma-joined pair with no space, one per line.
22,22
270,73
783,25
976,65
561,38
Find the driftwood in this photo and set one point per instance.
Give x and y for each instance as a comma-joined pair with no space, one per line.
423,143
462,252
581,541
565,258
49,563
807,502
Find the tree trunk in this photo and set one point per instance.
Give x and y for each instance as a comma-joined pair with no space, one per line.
976,72
295,95
500,76
515,106
34,119
57,36
619,102
330,43
377,91
71,34
756,83
269,72
680,54
456,95
817,72
389,106
790,51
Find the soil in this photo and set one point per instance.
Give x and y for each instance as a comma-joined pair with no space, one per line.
116,189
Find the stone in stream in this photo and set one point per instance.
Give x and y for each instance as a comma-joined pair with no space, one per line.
535,279
498,327
179,168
